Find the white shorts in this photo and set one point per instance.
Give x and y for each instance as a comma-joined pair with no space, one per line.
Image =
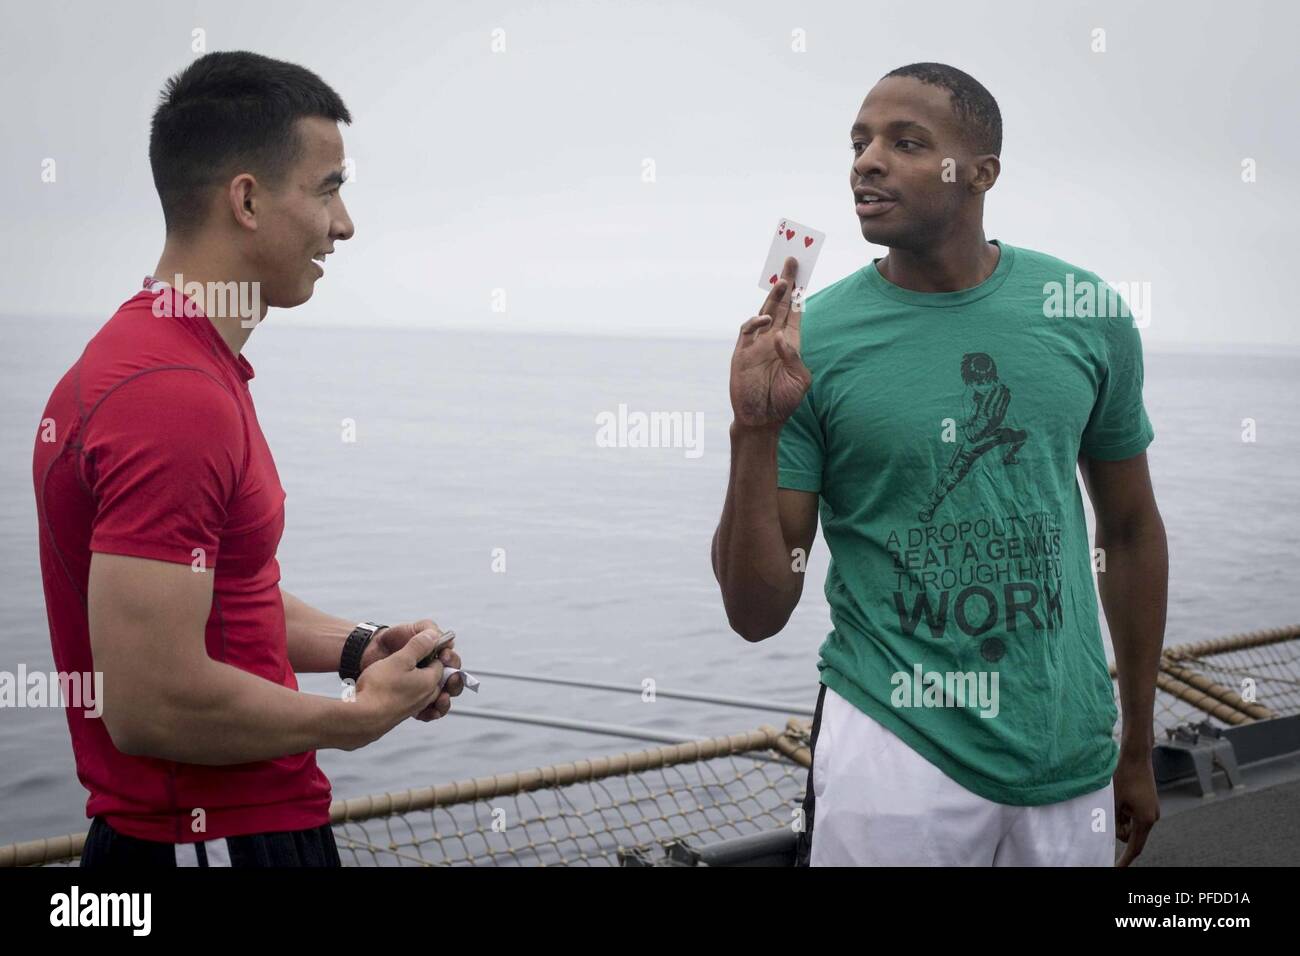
880,803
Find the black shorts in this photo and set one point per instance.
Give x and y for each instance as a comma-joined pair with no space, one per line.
106,848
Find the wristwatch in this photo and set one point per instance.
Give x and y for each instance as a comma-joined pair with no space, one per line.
355,646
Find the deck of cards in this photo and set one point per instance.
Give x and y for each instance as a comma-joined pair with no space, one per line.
792,239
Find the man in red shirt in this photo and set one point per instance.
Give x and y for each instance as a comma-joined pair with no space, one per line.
160,509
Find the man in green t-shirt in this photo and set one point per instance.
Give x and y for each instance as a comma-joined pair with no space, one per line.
932,408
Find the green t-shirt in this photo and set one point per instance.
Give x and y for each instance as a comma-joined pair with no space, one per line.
942,433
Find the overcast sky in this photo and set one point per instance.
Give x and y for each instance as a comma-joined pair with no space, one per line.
521,170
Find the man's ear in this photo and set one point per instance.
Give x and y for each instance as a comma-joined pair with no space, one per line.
242,196
987,169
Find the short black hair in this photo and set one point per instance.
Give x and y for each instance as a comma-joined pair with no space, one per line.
225,113
976,109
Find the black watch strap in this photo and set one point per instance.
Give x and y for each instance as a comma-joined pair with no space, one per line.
354,647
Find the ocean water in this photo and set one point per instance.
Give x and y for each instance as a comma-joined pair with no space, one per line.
466,443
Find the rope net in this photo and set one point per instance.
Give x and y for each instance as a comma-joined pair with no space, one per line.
1228,681
587,823
584,813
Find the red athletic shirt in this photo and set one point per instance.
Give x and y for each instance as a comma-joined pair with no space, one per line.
150,447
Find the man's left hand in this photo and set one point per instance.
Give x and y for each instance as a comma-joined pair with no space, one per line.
394,637
1137,804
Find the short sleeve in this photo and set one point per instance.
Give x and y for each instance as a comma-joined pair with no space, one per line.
163,456
801,449
1119,427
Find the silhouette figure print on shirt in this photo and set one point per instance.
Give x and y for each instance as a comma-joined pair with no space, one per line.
984,404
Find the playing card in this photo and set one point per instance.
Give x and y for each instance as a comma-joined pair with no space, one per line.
792,239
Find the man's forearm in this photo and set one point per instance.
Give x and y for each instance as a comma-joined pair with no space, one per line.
315,639
224,715
759,584
1134,595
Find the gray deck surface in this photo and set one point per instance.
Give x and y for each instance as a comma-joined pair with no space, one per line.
1258,825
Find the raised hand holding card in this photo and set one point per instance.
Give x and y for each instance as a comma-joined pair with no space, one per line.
804,244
